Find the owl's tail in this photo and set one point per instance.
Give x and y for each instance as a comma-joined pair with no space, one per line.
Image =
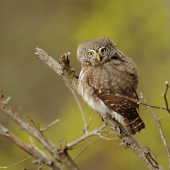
134,124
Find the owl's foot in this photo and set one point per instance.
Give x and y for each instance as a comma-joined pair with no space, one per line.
64,61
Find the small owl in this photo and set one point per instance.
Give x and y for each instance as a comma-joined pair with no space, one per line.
108,82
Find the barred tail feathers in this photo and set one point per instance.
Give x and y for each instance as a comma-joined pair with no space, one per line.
134,124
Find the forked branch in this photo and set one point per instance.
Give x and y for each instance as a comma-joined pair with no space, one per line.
64,70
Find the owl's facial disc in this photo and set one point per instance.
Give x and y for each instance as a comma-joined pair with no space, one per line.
94,55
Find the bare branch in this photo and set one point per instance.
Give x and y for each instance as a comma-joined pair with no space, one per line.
90,120
104,137
81,110
68,75
85,148
95,132
16,163
33,123
138,102
43,166
48,126
63,157
40,151
62,68
160,129
164,96
5,132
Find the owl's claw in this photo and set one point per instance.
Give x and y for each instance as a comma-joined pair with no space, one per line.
64,59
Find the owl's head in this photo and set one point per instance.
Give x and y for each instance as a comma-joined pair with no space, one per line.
96,51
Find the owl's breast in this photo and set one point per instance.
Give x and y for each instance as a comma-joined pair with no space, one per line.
93,81
87,89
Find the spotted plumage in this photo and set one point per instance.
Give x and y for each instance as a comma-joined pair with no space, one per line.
108,82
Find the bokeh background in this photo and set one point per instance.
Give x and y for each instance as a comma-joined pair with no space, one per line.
141,30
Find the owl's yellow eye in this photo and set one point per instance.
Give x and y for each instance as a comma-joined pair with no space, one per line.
90,53
103,50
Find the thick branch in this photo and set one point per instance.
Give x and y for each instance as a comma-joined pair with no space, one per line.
66,72
62,68
5,132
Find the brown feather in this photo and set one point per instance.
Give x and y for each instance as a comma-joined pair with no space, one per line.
114,80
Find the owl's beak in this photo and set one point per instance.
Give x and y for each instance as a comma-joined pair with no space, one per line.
98,57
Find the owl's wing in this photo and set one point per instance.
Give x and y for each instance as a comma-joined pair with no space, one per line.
116,88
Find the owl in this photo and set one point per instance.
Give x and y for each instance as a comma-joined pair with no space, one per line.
108,82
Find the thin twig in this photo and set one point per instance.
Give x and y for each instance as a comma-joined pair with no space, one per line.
81,110
77,146
95,132
16,163
6,133
44,165
48,126
32,142
32,122
85,149
160,129
1,95
64,158
156,107
90,120
103,137
164,96
138,102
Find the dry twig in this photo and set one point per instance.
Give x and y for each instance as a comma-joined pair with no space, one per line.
159,122
48,126
95,132
6,133
16,163
33,145
164,96
81,110
35,132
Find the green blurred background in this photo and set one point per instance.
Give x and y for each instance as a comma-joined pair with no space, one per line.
141,30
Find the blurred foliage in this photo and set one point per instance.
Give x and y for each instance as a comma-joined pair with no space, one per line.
140,30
